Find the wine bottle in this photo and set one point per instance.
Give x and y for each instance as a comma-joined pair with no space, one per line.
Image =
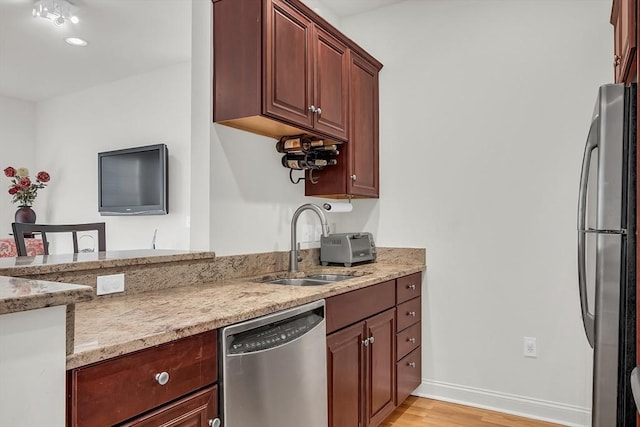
326,154
294,161
306,161
332,147
297,144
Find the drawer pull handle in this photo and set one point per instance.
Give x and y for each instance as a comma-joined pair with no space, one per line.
365,342
412,287
411,313
371,339
411,340
162,378
411,364
215,422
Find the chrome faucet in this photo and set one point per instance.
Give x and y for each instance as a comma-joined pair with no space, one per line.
294,255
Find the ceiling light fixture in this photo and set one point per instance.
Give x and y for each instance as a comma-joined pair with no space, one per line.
58,11
74,41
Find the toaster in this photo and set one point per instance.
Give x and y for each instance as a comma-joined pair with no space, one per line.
347,248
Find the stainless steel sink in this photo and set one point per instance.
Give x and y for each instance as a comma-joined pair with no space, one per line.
297,281
311,280
330,277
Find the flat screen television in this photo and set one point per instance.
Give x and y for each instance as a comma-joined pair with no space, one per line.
134,181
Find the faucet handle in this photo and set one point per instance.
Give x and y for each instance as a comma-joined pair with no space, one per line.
298,255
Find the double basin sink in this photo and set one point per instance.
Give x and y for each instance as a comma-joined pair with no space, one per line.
311,280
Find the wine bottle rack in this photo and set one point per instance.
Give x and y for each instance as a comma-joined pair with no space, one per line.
307,153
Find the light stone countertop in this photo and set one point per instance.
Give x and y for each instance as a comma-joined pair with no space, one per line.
105,328
47,264
18,294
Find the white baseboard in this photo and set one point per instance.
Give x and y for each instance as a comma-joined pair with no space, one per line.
559,413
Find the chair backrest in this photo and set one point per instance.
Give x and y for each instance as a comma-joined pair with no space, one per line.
20,229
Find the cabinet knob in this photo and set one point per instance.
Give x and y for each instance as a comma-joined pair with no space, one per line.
411,340
313,109
411,313
616,60
411,364
215,422
162,378
371,340
365,342
353,177
318,111
412,287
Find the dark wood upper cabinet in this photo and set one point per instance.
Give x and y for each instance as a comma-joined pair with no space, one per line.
288,71
280,69
331,84
623,19
357,173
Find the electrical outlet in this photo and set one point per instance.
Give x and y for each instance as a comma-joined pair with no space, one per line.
530,348
110,284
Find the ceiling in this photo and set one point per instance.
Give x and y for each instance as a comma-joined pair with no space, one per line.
345,8
126,37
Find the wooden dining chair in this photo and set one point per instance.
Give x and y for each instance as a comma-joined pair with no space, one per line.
22,229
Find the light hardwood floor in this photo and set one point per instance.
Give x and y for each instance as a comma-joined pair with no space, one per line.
420,412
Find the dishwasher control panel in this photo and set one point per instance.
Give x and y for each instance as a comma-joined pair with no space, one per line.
274,334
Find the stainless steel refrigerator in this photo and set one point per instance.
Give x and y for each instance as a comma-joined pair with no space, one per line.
606,253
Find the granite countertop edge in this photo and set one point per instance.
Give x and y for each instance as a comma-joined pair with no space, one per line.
265,299
45,264
20,295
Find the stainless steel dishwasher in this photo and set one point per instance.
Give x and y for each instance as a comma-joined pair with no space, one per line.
274,370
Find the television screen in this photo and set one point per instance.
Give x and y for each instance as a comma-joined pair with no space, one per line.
133,181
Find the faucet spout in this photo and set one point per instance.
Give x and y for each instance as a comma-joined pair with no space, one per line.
293,254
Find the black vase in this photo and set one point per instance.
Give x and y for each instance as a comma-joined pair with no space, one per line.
25,215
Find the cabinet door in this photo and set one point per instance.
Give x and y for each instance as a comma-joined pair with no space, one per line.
288,75
623,18
363,135
193,411
345,376
381,363
331,84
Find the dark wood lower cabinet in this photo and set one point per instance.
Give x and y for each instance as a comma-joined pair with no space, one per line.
345,376
361,372
196,410
409,370
173,382
373,351
381,386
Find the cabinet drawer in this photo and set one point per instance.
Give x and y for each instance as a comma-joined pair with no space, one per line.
194,410
408,287
409,374
115,390
408,313
408,340
346,309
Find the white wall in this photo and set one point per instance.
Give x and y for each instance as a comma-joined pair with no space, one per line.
484,108
145,109
17,145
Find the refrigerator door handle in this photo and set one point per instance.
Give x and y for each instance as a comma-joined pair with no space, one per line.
635,386
588,318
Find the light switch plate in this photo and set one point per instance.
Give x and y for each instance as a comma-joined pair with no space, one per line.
110,284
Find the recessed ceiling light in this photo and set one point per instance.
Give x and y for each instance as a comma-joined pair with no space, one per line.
74,41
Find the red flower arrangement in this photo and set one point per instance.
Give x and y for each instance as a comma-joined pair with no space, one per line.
22,189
